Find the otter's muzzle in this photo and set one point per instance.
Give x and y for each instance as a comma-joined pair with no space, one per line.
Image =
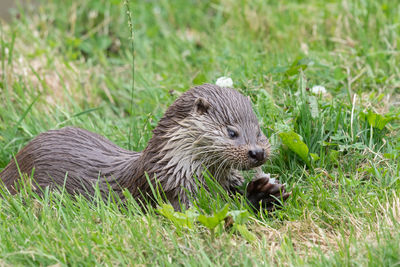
257,156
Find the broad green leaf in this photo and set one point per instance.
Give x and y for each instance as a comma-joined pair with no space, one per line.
239,216
242,229
223,212
208,221
314,156
212,221
377,120
166,210
294,143
179,219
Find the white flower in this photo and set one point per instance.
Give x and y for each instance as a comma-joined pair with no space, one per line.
318,89
92,14
224,82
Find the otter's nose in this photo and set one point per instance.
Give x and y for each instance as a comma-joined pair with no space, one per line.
257,154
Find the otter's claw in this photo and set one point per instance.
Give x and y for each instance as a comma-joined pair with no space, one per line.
261,192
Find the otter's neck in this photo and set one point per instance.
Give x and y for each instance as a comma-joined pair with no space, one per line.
177,156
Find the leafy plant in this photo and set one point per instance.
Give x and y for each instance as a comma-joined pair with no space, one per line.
378,121
179,219
236,219
294,142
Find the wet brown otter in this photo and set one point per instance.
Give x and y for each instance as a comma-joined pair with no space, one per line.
207,128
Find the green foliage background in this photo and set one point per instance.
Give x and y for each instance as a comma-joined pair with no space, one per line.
70,63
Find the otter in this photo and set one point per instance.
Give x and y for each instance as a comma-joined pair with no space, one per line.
208,128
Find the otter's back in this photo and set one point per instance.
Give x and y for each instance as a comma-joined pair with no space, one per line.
73,156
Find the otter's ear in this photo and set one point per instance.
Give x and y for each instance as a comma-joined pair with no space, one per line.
201,105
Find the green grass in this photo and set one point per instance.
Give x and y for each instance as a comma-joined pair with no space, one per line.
70,63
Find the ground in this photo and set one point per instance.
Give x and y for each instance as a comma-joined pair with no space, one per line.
336,146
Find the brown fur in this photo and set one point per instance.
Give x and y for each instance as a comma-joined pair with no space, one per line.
191,137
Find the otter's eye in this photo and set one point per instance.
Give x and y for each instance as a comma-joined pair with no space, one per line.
232,133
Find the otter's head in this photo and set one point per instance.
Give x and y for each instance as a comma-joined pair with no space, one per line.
218,125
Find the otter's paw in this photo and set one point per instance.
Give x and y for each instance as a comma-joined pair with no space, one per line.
264,193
